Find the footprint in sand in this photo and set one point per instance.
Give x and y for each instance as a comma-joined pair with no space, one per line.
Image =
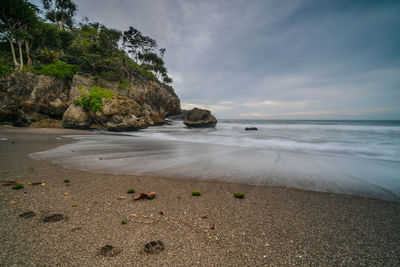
53,218
28,214
109,251
154,247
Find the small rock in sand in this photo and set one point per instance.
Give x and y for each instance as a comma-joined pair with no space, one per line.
154,247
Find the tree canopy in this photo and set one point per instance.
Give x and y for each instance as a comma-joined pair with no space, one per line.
54,45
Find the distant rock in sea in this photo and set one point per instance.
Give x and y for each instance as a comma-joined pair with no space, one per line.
251,129
200,118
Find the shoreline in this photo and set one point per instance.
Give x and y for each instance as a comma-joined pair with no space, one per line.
271,225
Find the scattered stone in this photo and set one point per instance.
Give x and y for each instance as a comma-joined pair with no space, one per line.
251,129
76,229
28,214
54,218
199,118
121,198
154,247
109,251
212,227
3,139
46,123
204,217
162,213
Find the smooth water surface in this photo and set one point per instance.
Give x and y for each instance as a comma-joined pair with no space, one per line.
352,157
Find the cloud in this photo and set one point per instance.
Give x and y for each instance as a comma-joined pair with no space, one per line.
271,57
213,108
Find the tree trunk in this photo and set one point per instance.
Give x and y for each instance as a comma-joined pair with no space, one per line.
21,60
29,62
13,53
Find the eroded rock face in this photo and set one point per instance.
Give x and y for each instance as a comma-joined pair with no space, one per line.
25,95
200,118
76,117
159,97
26,98
122,114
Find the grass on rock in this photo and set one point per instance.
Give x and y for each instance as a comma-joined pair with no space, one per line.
131,191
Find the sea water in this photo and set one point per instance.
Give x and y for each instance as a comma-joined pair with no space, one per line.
350,157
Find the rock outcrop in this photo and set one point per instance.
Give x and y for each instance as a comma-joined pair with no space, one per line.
26,97
122,114
76,117
200,118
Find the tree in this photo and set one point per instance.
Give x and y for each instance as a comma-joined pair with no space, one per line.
138,44
60,12
16,17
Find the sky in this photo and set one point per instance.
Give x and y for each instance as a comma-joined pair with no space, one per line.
272,59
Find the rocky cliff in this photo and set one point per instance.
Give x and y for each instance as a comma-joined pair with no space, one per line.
27,97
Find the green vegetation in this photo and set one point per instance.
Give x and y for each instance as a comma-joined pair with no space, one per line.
29,184
17,186
151,196
59,69
124,84
92,98
239,195
195,193
131,191
67,180
123,222
53,45
4,69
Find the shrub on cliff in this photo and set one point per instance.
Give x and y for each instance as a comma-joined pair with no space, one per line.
59,69
4,69
91,97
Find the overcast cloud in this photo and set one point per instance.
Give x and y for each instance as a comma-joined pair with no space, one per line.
272,59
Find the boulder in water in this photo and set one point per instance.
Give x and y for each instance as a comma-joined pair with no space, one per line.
200,118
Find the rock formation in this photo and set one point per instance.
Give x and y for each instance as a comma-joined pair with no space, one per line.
76,117
200,118
122,114
26,97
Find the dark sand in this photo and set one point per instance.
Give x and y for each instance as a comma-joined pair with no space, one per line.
271,225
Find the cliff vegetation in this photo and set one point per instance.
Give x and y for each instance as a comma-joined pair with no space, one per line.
46,58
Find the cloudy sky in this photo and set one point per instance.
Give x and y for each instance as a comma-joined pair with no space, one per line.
272,59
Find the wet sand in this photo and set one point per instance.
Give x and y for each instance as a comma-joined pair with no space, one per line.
270,225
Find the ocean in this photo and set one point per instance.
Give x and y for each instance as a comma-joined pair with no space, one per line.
349,157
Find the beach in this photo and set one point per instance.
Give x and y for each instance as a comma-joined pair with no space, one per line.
271,225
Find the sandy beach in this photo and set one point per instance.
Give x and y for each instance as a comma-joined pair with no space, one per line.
270,226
